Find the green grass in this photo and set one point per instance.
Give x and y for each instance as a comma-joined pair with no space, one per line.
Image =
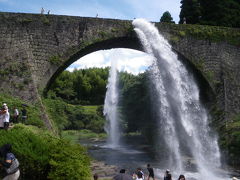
74,117
89,109
75,135
205,32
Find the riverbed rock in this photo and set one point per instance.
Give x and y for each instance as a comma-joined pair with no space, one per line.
103,170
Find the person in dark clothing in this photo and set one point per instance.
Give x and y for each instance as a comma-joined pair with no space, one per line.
122,171
10,163
150,171
139,175
167,175
122,175
95,176
181,177
24,115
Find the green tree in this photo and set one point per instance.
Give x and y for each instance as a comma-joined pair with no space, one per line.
134,101
86,86
220,12
166,17
214,12
63,86
191,11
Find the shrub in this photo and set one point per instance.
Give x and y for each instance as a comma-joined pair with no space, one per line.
56,60
57,112
44,156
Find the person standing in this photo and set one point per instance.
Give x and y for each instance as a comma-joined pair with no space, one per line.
139,175
150,172
5,116
1,118
42,11
15,115
184,21
10,163
24,115
95,176
167,175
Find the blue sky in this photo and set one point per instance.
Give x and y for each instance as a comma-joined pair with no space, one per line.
120,9
131,61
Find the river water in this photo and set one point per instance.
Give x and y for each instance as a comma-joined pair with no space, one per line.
136,153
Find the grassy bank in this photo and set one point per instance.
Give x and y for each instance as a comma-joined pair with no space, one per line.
75,135
75,117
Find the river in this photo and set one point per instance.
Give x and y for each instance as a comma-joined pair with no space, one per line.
136,153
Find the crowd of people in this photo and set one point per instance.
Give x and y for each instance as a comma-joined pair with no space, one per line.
8,160
139,175
6,118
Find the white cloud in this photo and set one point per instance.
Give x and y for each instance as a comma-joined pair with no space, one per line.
71,69
131,61
95,59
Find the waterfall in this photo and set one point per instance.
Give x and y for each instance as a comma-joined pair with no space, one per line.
110,106
183,120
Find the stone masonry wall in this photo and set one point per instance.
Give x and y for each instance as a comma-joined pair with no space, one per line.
220,64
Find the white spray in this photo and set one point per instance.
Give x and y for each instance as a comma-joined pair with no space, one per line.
179,106
110,106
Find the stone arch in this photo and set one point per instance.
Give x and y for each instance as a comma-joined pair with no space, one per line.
122,42
206,91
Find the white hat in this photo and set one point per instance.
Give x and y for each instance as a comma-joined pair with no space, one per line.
234,178
4,104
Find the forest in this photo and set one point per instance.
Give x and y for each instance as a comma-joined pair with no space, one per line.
76,100
214,12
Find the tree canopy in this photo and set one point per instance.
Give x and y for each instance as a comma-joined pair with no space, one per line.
214,12
220,12
166,17
190,10
86,86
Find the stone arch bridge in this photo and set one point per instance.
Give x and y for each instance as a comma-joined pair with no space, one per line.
35,48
